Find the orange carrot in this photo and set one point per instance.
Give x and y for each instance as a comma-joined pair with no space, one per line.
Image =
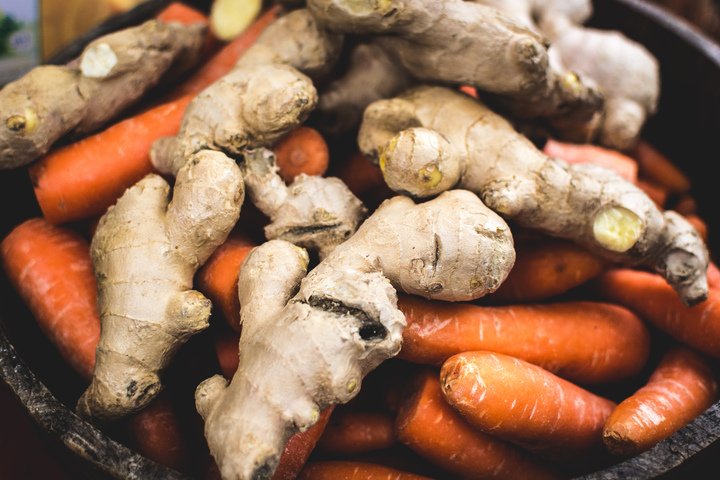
469,90
651,297
226,349
681,388
525,404
218,278
182,13
353,433
430,427
621,164
50,267
84,178
656,167
299,447
224,60
345,470
585,342
302,151
547,269
699,225
656,192
713,276
360,175
155,433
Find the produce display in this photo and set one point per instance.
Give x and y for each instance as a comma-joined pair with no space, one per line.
377,239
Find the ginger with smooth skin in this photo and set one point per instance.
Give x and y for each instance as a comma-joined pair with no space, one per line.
464,43
113,72
145,252
303,351
432,139
317,213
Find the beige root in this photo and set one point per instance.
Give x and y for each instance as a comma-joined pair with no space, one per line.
432,139
317,213
145,252
299,355
112,73
461,42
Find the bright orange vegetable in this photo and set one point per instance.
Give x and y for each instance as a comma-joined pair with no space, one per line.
621,164
343,470
302,151
353,433
658,168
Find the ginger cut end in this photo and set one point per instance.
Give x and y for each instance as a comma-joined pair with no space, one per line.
229,18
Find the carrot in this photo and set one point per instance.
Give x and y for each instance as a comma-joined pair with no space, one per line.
621,164
525,404
353,433
345,470
84,178
651,297
360,175
182,13
155,433
50,268
656,192
302,151
585,342
299,447
713,276
686,205
699,225
681,388
218,278
547,269
469,90
226,349
430,427
224,60
656,167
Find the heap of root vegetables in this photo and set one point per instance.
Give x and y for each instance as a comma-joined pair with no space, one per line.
499,279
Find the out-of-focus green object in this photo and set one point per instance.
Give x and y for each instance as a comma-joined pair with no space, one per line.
19,38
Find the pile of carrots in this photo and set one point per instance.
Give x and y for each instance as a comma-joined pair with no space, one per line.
549,377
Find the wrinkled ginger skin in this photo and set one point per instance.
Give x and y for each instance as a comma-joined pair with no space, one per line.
345,317
112,73
247,108
460,42
431,139
145,252
317,213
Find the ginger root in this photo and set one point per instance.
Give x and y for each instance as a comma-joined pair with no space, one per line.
432,139
145,252
316,213
113,72
344,317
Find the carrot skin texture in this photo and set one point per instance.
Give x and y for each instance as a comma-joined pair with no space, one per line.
83,179
51,269
218,278
345,470
547,269
360,175
226,349
354,433
525,404
681,388
434,430
655,166
649,296
713,276
303,150
621,164
299,447
585,342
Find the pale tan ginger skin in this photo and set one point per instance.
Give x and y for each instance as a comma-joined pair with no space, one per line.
372,75
317,213
112,73
461,42
432,139
145,252
526,12
299,357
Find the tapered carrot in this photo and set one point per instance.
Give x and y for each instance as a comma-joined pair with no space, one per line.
656,192
585,342
299,447
621,164
682,386
156,434
180,12
353,433
699,225
84,178
654,300
346,470
655,166
430,427
50,268
218,278
547,269
525,404
302,151
226,349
